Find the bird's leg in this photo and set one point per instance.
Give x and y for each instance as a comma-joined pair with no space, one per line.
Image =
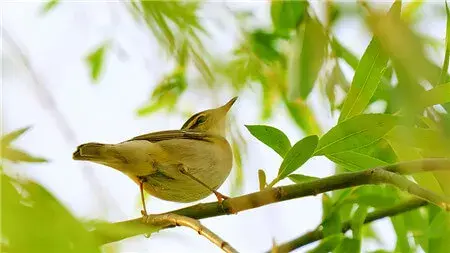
141,188
220,197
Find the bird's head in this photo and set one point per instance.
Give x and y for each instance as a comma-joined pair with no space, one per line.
210,121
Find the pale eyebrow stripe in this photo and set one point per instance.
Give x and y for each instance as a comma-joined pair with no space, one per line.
188,124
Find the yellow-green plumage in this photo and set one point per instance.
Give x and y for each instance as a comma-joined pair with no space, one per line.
156,158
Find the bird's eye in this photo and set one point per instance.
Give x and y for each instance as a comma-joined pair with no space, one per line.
200,120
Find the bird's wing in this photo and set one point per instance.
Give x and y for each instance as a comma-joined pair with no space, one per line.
173,134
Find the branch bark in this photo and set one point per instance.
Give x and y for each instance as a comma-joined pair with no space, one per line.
112,232
170,219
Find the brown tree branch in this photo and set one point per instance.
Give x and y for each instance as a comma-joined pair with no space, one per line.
111,232
317,234
170,219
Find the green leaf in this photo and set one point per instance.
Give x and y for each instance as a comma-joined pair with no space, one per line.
401,231
417,225
49,5
9,137
298,155
406,152
344,54
358,221
95,60
402,44
272,137
365,81
432,143
374,196
303,116
287,14
356,132
166,93
444,72
312,56
349,245
238,147
355,161
437,95
49,226
298,178
439,232
328,244
264,46
15,155
262,179
440,225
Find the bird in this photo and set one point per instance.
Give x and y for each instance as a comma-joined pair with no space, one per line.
184,165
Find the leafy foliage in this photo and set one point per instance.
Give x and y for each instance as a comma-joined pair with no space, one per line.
49,226
13,154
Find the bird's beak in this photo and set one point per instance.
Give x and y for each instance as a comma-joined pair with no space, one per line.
230,103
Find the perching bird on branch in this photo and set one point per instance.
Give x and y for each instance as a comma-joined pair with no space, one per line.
183,165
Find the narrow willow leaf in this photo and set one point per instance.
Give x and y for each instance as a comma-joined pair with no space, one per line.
355,132
52,228
303,116
437,95
439,232
401,231
287,14
408,153
49,5
15,155
298,155
439,225
431,143
9,137
328,244
358,221
262,179
355,161
95,61
299,178
410,10
402,44
418,225
349,245
365,81
312,55
238,174
374,199
444,71
344,54
272,137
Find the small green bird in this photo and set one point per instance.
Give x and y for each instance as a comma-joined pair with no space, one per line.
176,165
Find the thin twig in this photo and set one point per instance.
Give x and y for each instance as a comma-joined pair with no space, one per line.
170,219
111,232
317,234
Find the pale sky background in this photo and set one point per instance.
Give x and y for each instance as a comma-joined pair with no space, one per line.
56,44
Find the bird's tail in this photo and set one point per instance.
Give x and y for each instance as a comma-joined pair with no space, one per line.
91,152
